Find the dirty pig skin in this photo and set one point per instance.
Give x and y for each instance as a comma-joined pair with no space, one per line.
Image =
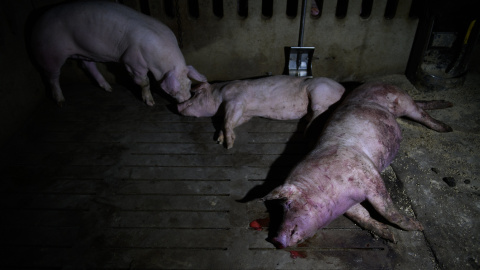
359,141
277,97
109,32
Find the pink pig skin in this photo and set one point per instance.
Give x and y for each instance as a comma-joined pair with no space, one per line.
276,97
359,141
110,32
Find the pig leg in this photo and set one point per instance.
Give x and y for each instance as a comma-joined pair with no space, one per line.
433,104
51,65
360,215
54,81
322,96
381,201
92,68
137,67
140,77
144,82
221,136
233,118
316,111
414,112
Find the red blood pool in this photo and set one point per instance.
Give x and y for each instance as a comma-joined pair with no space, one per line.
255,225
297,254
258,224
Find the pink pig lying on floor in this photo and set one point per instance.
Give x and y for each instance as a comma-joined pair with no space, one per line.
359,141
276,97
109,32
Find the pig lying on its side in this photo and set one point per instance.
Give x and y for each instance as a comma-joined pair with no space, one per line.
276,97
110,32
360,140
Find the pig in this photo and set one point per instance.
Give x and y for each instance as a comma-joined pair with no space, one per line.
278,97
360,139
110,32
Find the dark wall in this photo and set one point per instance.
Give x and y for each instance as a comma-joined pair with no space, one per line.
21,88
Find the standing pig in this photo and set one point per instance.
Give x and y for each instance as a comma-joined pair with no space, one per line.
110,32
360,140
277,97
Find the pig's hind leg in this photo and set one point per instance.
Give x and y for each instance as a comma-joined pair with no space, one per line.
51,64
324,94
415,110
433,104
92,68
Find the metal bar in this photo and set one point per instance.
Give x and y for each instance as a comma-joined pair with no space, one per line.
302,23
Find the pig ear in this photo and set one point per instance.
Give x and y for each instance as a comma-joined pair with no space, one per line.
194,74
285,192
201,87
170,83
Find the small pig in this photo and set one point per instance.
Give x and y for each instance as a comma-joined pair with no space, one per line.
110,32
277,97
359,141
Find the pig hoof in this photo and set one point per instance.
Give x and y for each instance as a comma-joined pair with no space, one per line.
385,233
447,129
417,225
106,87
150,102
220,138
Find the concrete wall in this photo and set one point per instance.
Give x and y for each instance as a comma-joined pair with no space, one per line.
348,48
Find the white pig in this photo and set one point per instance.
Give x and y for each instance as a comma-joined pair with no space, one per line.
277,97
111,32
359,141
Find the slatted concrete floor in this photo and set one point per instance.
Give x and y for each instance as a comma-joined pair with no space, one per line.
108,182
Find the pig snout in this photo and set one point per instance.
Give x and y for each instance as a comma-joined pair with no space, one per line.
287,236
183,96
183,108
280,241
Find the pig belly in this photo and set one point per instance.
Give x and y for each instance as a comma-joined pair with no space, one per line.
289,108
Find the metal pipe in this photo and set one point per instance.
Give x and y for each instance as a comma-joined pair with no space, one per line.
302,23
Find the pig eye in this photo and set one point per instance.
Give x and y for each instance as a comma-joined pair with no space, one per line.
293,231
287,204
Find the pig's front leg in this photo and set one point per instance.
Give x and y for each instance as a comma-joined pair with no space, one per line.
137,68
379,198
360,215
92,68
233,118
146,94
144,83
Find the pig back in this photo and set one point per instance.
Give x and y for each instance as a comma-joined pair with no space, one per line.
99,31
365,127
277,97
